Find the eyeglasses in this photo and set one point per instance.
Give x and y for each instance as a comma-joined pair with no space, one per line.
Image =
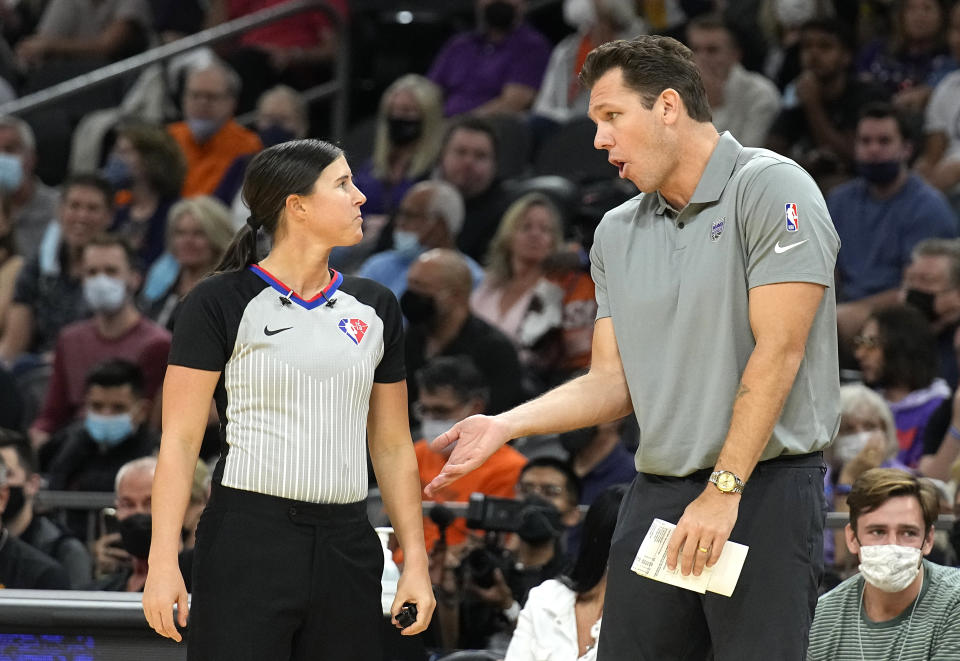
866,342
534,488
435,412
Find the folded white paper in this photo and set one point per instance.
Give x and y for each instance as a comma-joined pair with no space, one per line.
651,561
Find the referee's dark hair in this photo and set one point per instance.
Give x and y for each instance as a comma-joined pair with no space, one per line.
290,168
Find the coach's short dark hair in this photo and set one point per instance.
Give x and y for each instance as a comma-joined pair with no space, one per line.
651,64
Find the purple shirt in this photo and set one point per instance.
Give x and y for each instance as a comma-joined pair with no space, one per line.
472,70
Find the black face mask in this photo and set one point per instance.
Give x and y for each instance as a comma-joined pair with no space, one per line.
403,131
539,522
275,135
923,301
15,503
135,532
576,440
881,173
499,15
419,309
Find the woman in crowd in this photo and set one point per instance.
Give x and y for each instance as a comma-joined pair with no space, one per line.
897,353
515,295
10,261
198,233
147,166
561,619
306,368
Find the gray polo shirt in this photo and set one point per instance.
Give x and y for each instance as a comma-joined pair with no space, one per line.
676,285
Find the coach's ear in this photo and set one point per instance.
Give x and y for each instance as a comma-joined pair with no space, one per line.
669,106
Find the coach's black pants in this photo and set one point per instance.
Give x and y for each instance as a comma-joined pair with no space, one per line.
768,617
277,579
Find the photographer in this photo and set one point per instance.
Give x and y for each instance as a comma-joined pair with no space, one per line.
481,598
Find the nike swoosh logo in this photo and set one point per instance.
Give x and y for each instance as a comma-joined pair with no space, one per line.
779,249
267,331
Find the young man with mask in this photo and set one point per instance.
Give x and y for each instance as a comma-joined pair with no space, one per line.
496,68
451,388
437,307
208,135
116,330
23,567
112,432
880,216
23,522
899,606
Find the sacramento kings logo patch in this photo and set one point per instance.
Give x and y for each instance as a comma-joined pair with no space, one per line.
354,329
716,229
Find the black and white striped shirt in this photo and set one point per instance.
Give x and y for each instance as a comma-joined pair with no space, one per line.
296,378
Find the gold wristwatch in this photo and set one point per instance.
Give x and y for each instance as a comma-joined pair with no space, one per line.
726,482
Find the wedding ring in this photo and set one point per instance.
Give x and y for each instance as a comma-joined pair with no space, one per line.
703,550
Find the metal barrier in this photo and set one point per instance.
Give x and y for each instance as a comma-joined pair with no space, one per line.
82,83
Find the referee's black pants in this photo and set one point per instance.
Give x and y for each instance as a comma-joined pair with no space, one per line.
277,579
767,618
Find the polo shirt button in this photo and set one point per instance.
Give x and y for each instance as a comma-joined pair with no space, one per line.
680,225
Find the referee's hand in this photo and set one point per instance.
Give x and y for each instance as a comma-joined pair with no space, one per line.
473,440
164,589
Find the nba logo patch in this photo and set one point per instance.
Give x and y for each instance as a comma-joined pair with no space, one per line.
354,329
716,229
793,217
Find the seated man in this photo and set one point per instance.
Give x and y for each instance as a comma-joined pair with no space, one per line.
116,330
437,305
430,216
113,430
208,135
34,203
23,567
25,523
451,389
899,606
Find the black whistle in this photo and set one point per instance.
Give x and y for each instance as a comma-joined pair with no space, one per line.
407,615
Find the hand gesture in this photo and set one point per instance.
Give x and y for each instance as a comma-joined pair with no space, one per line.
108,554
163,589
702,531
414,587
808,89
871,456
476,438
498,594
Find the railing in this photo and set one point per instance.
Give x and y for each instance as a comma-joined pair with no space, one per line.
337,87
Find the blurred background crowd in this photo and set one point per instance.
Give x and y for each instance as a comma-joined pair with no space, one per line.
467,132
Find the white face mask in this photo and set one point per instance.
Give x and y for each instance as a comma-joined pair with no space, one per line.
890,567
407,243
579,14
104,293
430,428
848,446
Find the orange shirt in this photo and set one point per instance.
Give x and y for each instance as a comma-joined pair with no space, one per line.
207,162
497,476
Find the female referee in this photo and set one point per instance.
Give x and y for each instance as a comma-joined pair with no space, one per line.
303,364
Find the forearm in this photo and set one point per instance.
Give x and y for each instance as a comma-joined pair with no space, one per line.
592,399
764,387
172,481
938,465
395,466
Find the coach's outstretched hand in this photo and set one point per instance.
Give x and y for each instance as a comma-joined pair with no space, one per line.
475,439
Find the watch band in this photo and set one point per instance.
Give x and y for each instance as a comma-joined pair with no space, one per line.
736,487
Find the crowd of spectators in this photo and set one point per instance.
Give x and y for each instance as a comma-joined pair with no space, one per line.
483,190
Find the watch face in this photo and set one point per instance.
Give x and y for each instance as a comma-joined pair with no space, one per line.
726,481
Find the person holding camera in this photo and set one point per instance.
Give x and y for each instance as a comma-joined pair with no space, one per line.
561,619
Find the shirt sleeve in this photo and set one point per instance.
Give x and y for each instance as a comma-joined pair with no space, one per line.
200,336
941,108
529,69
788,235
391,367
599,276
26,289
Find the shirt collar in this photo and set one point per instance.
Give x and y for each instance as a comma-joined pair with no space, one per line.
717,173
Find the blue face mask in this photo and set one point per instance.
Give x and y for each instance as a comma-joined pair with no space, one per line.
203,129
118,172
109,430
275,135
407,243
11,173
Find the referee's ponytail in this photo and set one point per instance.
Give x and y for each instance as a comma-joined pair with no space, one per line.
290,168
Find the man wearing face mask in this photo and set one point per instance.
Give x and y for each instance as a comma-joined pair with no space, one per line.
496,68
112,431
880,216
430,216
208,135
900,606
34,203
450,389
116,330
23,567
437,307
24,523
